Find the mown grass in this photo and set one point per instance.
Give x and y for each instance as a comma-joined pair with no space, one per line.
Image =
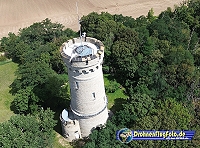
7,76
119,93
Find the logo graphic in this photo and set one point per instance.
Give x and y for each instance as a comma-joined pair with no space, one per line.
124,135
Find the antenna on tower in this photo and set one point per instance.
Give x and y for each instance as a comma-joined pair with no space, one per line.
79,22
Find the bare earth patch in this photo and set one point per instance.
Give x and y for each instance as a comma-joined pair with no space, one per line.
22,13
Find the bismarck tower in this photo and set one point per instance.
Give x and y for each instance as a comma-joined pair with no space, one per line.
83,57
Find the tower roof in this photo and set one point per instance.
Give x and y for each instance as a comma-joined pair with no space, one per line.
64,115
78,50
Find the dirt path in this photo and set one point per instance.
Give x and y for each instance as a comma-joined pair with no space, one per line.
22,13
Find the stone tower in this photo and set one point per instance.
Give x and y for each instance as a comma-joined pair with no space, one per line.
83,57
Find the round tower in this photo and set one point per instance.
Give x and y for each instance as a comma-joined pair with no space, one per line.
83,58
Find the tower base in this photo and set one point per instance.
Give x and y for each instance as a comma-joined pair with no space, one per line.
78,127
70,128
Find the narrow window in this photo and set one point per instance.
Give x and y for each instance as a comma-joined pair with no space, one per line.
85,72
76,85
76,134
91,70
93,95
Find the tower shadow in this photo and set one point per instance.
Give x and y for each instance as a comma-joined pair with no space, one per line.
118,104
58,127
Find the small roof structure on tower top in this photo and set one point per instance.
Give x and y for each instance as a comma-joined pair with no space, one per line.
65,115
80,49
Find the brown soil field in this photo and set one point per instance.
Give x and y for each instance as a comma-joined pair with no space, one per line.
16,14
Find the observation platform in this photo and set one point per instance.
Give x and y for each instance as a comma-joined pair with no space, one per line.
82,49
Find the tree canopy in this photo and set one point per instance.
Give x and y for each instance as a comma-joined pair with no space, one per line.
155,58
28,131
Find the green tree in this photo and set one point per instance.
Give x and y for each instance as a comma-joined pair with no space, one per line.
25,101
105,137
124,54
150,15
127,21
155,59
141,105
34,83
197,57
167,115
41,32
178,33
36,49
179,68
28,131
8,44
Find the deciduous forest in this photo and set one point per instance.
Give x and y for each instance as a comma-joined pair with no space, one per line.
156,59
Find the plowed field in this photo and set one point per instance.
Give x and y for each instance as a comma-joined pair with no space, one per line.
16,14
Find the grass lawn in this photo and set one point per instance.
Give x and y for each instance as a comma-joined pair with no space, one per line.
7,76
119,93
